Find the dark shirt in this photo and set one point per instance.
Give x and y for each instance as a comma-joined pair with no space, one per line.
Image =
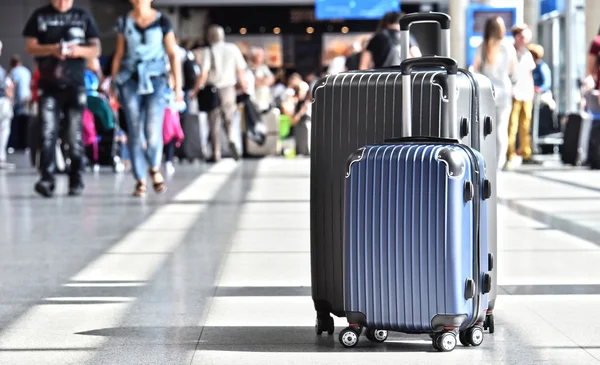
49,26
353,62
381,45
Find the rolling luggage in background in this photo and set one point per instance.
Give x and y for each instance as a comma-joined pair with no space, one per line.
546,135
355,109
577,129
594,148
191,146
415,242
271,147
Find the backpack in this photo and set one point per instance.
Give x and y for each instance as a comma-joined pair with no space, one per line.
190,71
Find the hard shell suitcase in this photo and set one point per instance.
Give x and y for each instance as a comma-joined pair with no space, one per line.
415,241
355,109
577,132
594,148
271,147
191,146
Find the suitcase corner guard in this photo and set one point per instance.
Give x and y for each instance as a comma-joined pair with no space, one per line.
455,165
356,318
354,157
443,321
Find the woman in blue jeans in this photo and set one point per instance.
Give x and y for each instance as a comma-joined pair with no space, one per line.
139,74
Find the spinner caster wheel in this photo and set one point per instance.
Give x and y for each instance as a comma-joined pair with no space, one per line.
348,337
375,335
462,337
434,341
474,336
324,324
489,323
319,326
446,342
330,326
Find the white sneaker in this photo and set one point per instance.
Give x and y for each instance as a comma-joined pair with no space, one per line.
169,168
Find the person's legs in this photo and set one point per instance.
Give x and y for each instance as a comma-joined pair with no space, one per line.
169,155
502,117
228,106
74,106
4,135
154,106
5,126
214,124
170,151
525,130
131,103
513,126
50,106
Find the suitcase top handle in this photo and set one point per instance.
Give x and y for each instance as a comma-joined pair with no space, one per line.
449,122
448,64
442,19
430,17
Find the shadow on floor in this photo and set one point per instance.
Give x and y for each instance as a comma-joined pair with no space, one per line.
267,339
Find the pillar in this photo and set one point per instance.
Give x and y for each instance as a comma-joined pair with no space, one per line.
531,16
458,31
592,20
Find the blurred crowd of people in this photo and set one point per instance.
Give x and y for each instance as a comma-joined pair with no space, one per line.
129,110
517,72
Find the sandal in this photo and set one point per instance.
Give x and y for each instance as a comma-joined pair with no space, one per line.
159,186
140,189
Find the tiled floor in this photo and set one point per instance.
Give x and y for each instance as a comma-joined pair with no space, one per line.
217,271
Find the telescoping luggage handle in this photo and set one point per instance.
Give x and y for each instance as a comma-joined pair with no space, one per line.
442,19
449,123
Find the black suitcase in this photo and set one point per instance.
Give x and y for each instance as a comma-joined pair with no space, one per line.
354,109
191,146
594,148
576,138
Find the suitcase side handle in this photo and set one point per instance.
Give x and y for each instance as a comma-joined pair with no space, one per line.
432,17
450,122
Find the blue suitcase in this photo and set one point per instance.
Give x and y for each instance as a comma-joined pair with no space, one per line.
415,240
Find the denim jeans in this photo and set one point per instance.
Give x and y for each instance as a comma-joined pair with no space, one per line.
70,104
144,115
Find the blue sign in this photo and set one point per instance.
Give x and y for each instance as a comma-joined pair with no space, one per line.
354,9
476,17
547,6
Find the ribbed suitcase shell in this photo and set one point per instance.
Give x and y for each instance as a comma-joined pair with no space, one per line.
410,240
355,109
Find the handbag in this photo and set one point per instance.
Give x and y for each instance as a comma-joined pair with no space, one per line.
208,98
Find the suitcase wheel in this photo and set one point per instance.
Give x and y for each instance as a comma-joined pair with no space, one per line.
375,335
348,337
324,324
462,337
474,336
488,324
444,342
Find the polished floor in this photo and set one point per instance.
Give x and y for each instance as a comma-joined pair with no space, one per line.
216,271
